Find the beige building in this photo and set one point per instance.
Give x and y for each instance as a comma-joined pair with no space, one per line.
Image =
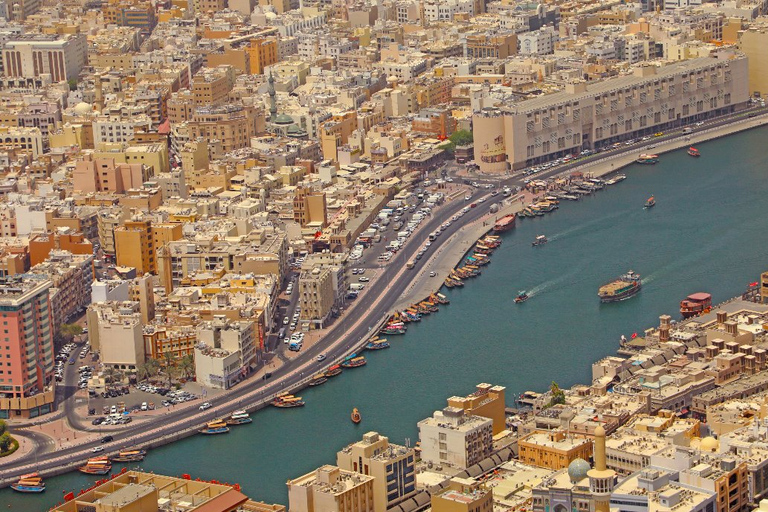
115,332
594,115
391,465
309,208
232,125
754,43
135,247
554,450
463,495
330,489
487,401
31,55
316,295
452,437
226,352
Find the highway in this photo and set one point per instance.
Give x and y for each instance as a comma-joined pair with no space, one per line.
346,334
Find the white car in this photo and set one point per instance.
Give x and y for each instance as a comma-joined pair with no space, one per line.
481,200
321,357
363,279
97,449
204,406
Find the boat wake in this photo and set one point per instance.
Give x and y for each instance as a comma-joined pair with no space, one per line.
584,226
568,278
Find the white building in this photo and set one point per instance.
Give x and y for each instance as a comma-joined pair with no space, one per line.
35,54
116,334
445,10
226,352
452,437
110,130
538,42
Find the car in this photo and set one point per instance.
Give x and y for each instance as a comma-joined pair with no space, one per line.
97,421
481,200
286,320
144,406
321,357
107,439
363,279
204,406
432,274
658,134
467,197
113,409
473,205
97,449
354,271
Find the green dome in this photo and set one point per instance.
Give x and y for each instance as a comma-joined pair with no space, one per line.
577,470
283,119
294,129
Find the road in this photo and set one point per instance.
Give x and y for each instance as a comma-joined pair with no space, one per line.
348,332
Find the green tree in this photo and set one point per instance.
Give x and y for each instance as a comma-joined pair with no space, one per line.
558,395
72,84
5,442
457,138
112,374
169,363
3,427
187,366
67,332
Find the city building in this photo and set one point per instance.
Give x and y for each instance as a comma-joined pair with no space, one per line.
316,296
554,450
487,401
331,489
391,465
463,495
135,247
32,55
115,333
452,437
310,209
26,380
226,353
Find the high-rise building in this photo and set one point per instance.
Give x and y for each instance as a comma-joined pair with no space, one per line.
26,347
452,437
316,295
263,52
35,54
390,464
330,489
135,246
309,208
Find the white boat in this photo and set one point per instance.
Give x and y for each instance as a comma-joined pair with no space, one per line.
540,240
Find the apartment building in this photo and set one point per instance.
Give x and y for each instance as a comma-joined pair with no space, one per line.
331,489
316,296
106,175
232,125
391,465
22,141
649,100
263,52
554,450
309,208
487,401
71,277
115,332
211,86
26,378
452,437
135,246
463,495
493,46
31,55
226,352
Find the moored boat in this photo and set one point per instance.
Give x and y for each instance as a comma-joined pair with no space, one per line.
96,466
616,179
622,288
647,159
355,416
377,345
333,371
540,240
693,151
353,361
30,483
129,456
318,379
695,304
286,401
215,427
239,418
505,223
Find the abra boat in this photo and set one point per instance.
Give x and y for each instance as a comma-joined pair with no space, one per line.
129,456
521,297
693,151
239,418
540,240
647,159
650,203
353,361
505,223
616,179
695,304
215,427
355,416
96,466
622,288
31,483
286,401
377,345
318,379
333,371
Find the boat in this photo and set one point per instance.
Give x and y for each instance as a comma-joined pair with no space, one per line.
31,483
215,427
622,288
528,398
693,151
505,223
650,203
239,418
540,240
353,361
377,345
286,401
96,466
129,456
355,416
318,379
616,179
521,297
647,159
333,371
695,304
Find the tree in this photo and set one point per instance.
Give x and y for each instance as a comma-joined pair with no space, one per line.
5,442
67,332
558,395
72,84
112,374
187,366
169,362
457,138
3,427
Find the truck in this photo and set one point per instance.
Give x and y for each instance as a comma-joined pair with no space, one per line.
356,286
410,264
403,234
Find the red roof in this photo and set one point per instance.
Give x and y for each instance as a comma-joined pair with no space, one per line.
700,297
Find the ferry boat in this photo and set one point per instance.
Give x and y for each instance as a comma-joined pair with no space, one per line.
622,288
616,179
505,223
521,297
650,203
96,466
215,427
540,240
31,483
396,328
129,456
355,416
695,304
239,418
648,159
286,401
318,379
333,371
693,151
353,361
377,345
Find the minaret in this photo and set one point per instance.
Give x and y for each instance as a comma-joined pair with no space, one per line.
272,101
601,479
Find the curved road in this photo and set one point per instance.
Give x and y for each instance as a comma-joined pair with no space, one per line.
347,333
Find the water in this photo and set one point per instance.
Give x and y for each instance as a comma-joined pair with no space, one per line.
705,234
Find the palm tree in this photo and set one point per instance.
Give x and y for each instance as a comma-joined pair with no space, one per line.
169,361
143,371
187,366
111,374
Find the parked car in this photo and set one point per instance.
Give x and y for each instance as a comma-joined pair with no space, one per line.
204,406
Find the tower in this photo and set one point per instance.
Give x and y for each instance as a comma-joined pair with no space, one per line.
601,479
272,101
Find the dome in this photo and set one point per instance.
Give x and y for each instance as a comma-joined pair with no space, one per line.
577,470
82,108
709,444
283,119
